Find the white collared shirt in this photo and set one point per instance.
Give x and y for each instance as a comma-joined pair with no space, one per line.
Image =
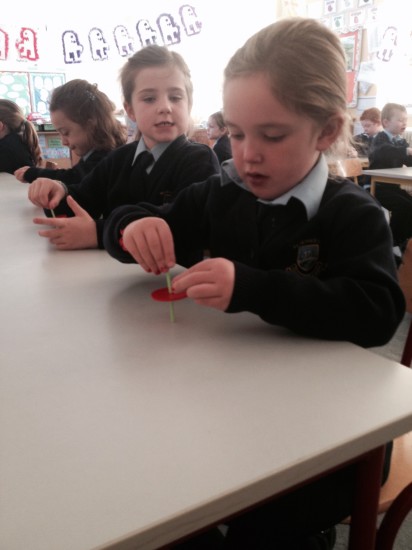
309,191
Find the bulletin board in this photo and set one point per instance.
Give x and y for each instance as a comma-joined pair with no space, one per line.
15,86
31,91
41,88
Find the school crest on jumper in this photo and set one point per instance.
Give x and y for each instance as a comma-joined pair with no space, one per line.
307,257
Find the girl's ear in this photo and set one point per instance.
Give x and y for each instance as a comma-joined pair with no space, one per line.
129,111
330,132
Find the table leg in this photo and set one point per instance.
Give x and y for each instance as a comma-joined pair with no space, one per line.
365,508
373,186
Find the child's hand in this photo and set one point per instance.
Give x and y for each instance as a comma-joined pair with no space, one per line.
150,242
19,173
46,193
208,283
70,233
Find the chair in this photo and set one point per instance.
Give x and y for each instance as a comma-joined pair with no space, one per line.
347,168
395,498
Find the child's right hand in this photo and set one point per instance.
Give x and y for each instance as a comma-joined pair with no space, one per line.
46,193
150,242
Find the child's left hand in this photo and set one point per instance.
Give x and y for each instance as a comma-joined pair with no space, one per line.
70,233
208,283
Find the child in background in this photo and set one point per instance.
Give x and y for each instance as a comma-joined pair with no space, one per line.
391,150
158,96
370,120
216,130
287,243
84,117
19,143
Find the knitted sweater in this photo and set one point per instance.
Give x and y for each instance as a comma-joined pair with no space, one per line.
69,175
116,180
13,154
332,277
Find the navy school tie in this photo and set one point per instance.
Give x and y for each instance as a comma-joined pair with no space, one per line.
144,160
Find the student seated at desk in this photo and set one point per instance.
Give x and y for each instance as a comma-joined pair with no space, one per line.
84,117
158,96
390,150
19,144
370,120
287,243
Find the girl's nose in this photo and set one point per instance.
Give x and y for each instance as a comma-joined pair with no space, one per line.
165,106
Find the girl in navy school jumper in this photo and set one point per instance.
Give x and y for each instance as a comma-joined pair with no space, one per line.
287,242
84,117
216,130
158,96
19,144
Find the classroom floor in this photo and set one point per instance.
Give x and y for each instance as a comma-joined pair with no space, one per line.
392,350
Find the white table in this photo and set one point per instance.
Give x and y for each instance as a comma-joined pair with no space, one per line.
120,429
397,176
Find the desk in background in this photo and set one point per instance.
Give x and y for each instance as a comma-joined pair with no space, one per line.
399,176
122,430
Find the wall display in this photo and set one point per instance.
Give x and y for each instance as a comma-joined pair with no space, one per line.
357,18
31,91
15,86
81,43
41,87
347,5
330,7
351,42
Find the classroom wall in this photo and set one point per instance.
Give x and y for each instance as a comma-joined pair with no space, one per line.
41,44
94,44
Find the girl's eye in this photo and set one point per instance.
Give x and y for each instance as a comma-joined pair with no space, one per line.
274,138
176,98
149,99
233,135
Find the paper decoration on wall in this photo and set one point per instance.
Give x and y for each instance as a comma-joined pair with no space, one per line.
388,45
124,42
330,6
169,31
147,35
293,8
190,22
338,22
98,44
15,86
4,45
357,18
41,88
72,49
26,45
166,30
351,43
347,5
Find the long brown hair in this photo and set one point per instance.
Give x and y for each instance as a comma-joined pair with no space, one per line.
13,117
86,105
